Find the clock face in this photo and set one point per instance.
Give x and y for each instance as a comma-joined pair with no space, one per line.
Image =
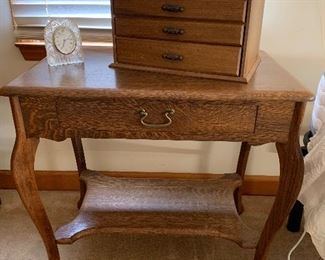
64,40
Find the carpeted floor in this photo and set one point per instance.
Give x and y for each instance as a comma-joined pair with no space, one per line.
19,239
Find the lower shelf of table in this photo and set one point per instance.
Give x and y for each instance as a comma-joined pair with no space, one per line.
159,206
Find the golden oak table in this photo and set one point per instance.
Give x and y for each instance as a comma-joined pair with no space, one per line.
91,100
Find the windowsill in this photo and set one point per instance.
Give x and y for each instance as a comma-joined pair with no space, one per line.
34,50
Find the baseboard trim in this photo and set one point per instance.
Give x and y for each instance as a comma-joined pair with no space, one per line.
68,180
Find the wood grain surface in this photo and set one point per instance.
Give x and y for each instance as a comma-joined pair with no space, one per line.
191,31
81,165
291,177
255,185
241,170
22,167
204,58
213,9
95,79
56,118
141,21
31,52
92,101
253,30
144,205
124,114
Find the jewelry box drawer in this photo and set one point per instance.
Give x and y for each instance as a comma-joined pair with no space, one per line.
226,10
204,58
178,117
180,30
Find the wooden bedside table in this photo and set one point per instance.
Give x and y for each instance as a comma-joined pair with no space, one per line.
92,101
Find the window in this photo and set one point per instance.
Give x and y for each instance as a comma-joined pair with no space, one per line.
31,16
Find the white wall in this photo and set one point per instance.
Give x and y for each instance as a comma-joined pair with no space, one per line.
11,65
293,33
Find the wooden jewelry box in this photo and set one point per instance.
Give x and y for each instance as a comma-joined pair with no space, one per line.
203,38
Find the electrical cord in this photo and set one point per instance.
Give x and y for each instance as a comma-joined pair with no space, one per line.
296,245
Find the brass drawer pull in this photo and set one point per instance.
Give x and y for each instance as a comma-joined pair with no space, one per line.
173,31
168,114
172,8
172,57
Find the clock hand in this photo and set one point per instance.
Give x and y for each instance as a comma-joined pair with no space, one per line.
64,41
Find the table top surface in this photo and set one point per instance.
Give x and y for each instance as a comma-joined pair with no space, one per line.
94,79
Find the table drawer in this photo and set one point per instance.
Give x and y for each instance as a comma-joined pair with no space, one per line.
180,30
227,10
178,117
204,58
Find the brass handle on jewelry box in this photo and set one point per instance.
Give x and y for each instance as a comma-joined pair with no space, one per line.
168,114
172,57
173,31
172,8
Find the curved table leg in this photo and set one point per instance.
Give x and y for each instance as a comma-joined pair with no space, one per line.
22,168
81,165
241,169
291,177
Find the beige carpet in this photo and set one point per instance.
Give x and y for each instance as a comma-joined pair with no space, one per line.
19,239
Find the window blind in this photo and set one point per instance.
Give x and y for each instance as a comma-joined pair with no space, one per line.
92,16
